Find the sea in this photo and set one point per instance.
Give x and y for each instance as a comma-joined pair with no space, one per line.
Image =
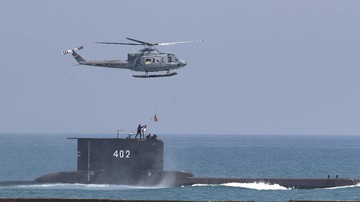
28,156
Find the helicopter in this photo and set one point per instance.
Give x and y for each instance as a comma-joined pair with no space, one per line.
148,59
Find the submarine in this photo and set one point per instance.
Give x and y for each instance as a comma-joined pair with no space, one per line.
140,162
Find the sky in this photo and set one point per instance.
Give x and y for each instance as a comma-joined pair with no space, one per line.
266,67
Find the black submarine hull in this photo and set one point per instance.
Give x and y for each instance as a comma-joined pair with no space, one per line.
179,178
148,178
139,162
175,179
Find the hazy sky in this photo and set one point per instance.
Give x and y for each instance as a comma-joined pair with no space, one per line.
267,67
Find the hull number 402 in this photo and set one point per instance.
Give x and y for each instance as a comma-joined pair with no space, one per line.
122,154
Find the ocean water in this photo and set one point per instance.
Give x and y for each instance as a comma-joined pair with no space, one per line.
25,157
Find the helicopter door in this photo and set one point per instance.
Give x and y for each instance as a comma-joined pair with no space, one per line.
153,60
157,60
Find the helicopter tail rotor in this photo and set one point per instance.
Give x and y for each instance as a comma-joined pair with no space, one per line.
71,51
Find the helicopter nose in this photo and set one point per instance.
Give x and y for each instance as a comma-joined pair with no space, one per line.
183,63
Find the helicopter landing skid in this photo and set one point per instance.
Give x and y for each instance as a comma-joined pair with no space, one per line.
155,75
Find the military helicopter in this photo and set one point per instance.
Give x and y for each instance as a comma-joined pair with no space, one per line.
148,59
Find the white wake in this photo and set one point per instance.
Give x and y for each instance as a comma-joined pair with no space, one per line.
254,185
343,187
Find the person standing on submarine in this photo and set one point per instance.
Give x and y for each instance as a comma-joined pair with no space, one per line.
138,132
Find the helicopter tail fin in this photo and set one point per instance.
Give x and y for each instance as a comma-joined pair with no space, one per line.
77,57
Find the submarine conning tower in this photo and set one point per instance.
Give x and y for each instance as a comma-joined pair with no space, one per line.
119,154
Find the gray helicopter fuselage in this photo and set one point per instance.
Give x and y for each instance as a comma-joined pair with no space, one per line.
146,60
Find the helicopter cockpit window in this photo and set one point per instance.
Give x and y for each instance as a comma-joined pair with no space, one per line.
170,58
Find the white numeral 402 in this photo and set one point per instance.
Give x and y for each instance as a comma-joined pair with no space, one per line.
122,154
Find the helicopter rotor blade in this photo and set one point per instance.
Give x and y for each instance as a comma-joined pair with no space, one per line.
178,42
130,44
142,42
